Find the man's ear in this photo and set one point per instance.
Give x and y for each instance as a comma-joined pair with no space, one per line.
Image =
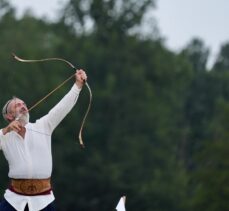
9,117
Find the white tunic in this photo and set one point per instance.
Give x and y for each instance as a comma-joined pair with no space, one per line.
31,157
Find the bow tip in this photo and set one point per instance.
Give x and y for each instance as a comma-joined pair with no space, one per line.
15,56
82,146
81,141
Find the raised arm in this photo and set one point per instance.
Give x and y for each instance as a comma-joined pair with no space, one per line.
58,112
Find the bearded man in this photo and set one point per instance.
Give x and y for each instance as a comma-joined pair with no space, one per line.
27,148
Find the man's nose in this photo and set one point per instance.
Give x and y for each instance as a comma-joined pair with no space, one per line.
24,108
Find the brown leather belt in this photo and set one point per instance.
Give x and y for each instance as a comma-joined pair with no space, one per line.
30,186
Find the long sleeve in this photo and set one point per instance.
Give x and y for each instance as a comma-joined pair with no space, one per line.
58,112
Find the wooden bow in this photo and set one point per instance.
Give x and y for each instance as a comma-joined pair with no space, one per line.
60,85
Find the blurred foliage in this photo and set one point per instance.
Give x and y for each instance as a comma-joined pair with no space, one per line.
157,131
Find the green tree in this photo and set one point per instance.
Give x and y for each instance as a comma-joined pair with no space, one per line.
106,16
211,177
222,61
197,54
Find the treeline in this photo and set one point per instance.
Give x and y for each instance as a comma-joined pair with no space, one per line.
158,128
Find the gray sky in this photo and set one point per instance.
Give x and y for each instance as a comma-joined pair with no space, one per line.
181,20
178,20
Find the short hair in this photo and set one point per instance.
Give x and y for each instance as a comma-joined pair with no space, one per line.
5,108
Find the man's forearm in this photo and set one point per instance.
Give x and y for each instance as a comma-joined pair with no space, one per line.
59,111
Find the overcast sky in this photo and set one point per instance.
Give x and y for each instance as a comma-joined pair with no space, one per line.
178,20
181,20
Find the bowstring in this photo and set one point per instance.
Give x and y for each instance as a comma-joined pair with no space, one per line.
56,88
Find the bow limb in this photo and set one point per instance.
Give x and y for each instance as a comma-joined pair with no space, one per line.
72,66
43,60
85,116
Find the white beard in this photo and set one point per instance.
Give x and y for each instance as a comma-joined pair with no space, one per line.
23,118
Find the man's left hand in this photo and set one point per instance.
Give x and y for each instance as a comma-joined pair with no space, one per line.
81,77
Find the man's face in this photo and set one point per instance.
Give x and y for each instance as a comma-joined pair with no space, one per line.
18,110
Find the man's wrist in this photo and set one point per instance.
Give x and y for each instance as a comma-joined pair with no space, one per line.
5,130
79,85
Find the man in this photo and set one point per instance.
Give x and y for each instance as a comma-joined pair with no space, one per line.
27,148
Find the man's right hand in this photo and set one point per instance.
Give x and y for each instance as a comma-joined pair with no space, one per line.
13,126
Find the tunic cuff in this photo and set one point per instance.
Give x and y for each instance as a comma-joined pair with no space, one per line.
76,89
